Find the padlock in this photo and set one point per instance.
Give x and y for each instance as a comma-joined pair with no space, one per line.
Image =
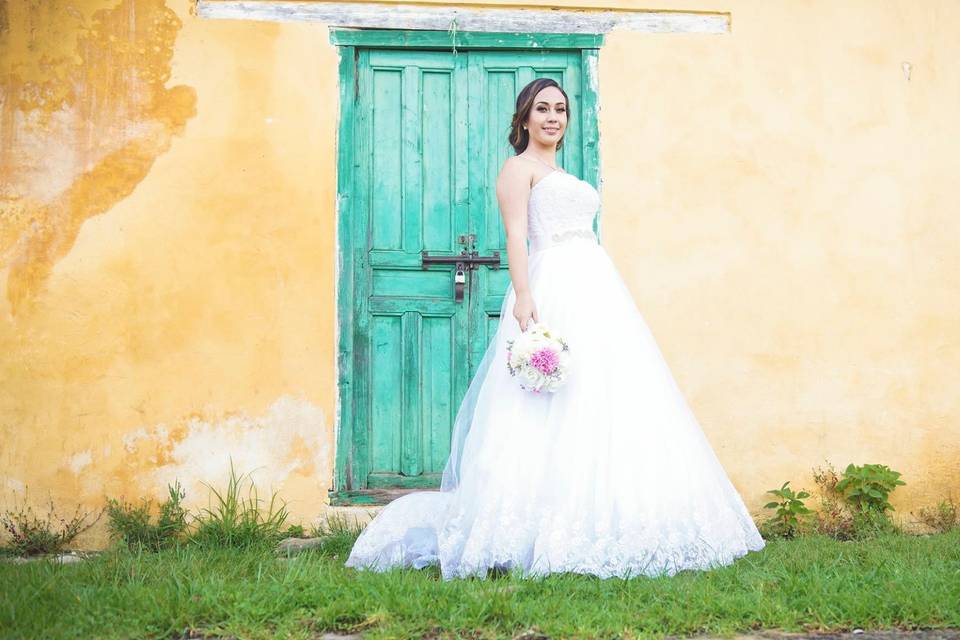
459,283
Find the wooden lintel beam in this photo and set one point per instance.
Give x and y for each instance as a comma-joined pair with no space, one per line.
463,17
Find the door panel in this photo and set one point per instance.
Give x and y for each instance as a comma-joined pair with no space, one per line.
410,103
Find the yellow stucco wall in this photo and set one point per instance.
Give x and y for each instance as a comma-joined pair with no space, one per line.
779,200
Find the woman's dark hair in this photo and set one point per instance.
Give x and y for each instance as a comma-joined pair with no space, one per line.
519,138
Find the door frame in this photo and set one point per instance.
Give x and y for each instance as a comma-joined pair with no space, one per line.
350,256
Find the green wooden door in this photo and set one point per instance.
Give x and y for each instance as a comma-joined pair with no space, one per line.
428,137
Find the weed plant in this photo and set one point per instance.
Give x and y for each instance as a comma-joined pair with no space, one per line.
853,506
238,517
792,516
867,487
132,523
942,518
34,534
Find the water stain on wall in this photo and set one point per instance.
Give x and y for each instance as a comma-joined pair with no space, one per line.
84,114
279,448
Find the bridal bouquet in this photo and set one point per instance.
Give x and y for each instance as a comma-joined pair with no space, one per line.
538,358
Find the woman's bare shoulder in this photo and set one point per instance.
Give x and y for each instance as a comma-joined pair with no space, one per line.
515,171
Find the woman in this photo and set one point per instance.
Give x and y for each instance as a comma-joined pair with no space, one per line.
610,475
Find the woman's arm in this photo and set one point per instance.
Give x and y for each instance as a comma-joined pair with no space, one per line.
513,194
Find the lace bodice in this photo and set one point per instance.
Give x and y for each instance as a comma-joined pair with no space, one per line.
561,207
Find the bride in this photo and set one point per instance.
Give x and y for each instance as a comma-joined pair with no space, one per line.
611,474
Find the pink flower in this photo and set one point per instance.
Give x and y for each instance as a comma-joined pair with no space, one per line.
545,360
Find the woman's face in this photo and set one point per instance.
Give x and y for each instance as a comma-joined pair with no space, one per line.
548,117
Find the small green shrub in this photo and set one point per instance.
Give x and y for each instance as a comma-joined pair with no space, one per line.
238,520
32,534
792,516
131,523
942,518
854,506
867,487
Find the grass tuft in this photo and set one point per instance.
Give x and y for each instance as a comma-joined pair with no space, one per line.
238,517
132,523
338,532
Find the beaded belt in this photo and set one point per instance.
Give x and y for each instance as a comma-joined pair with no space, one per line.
541,242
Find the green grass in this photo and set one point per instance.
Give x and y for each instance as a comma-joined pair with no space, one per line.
809,583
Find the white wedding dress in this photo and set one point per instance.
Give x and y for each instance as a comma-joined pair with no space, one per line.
611,475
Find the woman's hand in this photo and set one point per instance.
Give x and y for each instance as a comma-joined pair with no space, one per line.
524,309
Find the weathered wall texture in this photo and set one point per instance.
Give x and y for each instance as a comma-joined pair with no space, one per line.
167,239
167,273
783,201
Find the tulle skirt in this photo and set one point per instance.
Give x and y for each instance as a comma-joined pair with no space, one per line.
611,475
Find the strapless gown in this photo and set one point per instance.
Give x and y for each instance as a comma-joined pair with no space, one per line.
611,475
